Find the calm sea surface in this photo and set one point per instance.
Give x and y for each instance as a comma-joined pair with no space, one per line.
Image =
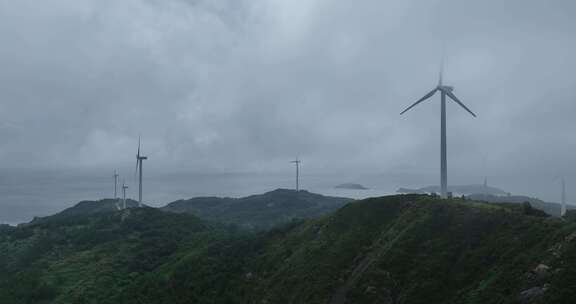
25,194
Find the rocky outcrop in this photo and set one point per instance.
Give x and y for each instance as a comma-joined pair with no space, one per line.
530,295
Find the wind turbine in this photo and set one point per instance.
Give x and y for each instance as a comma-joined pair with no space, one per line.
297,163
563,210
124,187
444,91
563,207
116,200
485,189
139,159
116,175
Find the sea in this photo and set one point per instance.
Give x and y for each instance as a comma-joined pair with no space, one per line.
25,194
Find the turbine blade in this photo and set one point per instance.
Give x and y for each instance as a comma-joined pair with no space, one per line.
420,100
442,60
137,157
453,97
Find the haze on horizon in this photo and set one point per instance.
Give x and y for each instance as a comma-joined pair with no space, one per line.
246,85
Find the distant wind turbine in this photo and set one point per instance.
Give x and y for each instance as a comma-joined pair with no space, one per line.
486,187
139,161
444,91
563,207
116,175
563,210
116,200
297,163
124,187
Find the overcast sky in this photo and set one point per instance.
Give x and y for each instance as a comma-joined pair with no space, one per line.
245,85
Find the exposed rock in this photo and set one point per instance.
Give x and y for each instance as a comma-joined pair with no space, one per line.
529,295
556,250
571,237
370,289
541,270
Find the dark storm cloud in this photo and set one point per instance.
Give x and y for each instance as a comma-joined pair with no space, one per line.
244,85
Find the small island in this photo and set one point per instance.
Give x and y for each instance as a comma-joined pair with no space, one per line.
351,186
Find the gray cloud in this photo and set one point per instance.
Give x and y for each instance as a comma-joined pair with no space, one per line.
244,85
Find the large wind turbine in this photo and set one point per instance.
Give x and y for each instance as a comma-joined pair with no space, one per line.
297,163
139,159
444,91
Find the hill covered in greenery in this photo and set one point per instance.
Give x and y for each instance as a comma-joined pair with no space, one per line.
548,207
260,211
88,208
397,249
98,257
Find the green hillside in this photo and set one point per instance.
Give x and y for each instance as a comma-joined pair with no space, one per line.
88,208
397,249
554,209
95,258
261,211
414,249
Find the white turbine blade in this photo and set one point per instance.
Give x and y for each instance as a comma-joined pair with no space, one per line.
420,100
453,97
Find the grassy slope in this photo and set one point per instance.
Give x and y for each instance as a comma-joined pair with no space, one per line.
399,249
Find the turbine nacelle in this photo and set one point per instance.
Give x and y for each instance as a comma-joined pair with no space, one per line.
445,88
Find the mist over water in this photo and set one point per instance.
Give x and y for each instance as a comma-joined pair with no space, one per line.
27,193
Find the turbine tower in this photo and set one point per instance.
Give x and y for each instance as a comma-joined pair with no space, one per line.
297,163
485,189
124,187
563,210
139,160
116,175
444,91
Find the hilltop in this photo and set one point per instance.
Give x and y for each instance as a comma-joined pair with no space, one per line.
351,186
457,190
84,208
397,249
491,195
548,207
261,211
